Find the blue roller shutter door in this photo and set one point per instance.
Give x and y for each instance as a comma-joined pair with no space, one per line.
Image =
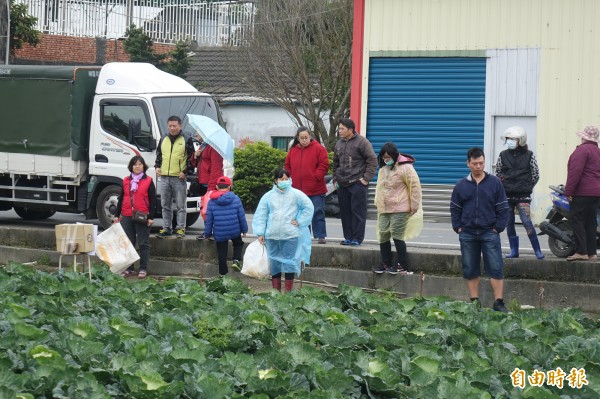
432,108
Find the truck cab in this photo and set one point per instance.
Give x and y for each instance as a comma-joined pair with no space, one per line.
94,121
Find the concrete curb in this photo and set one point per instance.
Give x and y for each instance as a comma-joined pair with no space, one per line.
551,282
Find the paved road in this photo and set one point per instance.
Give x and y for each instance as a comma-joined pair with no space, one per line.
434,235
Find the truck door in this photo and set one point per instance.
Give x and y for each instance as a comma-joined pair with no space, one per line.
125,131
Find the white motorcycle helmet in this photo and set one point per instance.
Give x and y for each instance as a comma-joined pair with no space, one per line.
515,132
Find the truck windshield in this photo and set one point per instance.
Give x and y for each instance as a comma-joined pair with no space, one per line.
181,106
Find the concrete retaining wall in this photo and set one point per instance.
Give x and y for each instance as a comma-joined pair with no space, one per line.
549,283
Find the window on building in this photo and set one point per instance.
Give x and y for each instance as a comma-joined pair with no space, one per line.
118,117
281,142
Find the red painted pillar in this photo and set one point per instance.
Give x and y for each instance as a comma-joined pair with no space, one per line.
357,62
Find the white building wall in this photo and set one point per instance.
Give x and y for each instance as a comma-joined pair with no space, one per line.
564,32
511,98
257,122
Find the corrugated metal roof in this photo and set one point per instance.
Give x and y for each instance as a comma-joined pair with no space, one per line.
215,70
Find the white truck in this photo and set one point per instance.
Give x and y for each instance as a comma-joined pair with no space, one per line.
68,133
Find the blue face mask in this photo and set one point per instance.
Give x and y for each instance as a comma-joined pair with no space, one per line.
511,144
283,185
390,162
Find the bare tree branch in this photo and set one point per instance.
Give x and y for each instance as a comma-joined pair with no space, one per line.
299,58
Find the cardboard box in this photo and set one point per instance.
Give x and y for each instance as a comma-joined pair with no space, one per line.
74,238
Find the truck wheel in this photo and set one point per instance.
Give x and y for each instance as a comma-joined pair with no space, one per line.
33,214
190,219
106,205
560,248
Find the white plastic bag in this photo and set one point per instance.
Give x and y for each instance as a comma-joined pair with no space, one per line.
256,262
114,248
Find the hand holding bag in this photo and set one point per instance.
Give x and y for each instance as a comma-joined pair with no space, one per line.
256,262
414,226
114,248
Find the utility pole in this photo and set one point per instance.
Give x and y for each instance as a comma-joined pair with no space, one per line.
129,13
4,30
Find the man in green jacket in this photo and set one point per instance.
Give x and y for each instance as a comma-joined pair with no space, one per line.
171,165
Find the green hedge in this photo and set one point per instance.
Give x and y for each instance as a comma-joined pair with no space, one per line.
254,166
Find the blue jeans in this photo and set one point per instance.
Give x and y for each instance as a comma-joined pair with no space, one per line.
172,188
472,246
318,221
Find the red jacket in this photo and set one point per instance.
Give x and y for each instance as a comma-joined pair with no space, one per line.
308,167
211,168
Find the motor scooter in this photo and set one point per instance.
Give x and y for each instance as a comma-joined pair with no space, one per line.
332,205
557,225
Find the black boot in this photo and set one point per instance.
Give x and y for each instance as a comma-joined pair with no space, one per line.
535,244
514,247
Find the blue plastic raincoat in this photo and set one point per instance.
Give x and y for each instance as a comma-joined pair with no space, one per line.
273,220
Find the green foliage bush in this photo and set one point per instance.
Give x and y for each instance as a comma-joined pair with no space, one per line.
22,28
254,166
139,46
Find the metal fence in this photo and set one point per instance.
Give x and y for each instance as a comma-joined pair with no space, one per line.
209,23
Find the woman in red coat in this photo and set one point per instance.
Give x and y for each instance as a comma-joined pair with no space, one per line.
308,163
138,192
211,168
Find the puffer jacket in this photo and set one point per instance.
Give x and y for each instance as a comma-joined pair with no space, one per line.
398,187
225,216
276,210
583,171
518,171
353,159
478,208
308,167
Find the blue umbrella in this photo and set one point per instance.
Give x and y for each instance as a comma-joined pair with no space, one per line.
214,135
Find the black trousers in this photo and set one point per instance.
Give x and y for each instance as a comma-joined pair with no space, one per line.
138,234
223,246
583,219
353,210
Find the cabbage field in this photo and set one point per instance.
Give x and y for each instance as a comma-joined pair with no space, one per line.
63,336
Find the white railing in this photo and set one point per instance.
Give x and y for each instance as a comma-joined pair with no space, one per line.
209,23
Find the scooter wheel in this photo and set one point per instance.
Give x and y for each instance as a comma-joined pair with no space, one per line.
560,248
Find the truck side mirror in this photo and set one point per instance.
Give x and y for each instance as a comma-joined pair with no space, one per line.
135,129
152,143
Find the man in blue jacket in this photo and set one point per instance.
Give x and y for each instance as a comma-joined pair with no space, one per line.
479,211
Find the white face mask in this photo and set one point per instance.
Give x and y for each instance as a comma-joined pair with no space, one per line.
511,144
